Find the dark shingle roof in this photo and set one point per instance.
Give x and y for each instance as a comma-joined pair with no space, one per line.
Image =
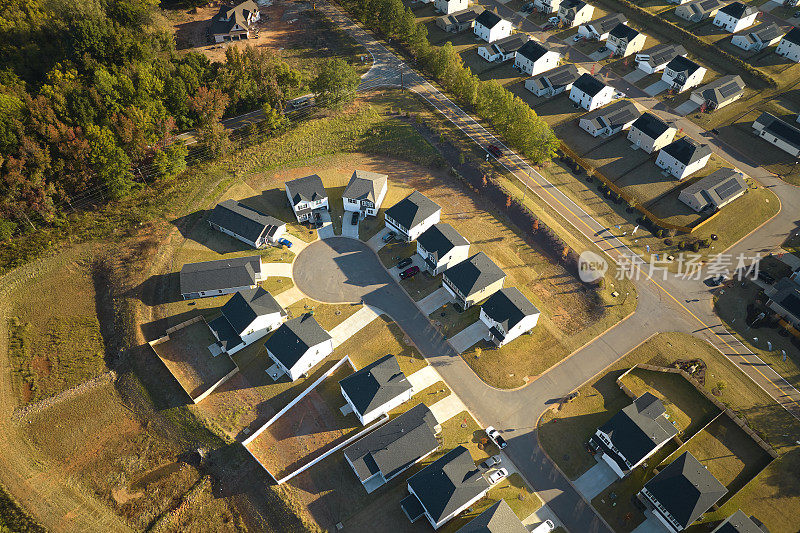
559,76
222,329
686,150
499,518
474,274
508,306
395,445
589,84
247,305
375,384
686,489
739,522
780,129
413,209
465,15
793,36
306,189
650,125
488,19
682,64
718,186
440,239
663,53
242,220
293,339
532,50
767,31
614,115
607,23
722,89
639,428
220,274
509,44
623,31
448,483
738,10
365,185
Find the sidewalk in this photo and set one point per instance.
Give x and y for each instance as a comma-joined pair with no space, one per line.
353,324
288,297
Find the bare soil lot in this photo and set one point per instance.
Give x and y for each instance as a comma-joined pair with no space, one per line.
187,357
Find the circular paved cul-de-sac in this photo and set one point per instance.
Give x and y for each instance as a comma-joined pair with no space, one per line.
341,270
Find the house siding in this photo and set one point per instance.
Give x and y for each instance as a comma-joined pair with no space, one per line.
543,64
678,169
547,6
453,257
731,24
789,50
378,412
526,324
500,30
451,6
591,103
310,359
692,81
647,143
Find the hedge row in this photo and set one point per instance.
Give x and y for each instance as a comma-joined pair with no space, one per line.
672,32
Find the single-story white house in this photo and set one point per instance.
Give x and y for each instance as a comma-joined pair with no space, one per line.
608,120
719,93
599,29
758,38
656,58
554,81
778,132
714,191
503,49
246,224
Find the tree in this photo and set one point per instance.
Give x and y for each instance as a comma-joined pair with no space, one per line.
535,225
508,201
209,104
171,161
109,161
336,83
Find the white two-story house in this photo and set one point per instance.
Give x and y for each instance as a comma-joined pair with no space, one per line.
306,196
412,215
683,157
736,16
508,314
297,346
365,192
450,6
682,73
473,280
490,26
441,247
650,133
246,317
532,58
546,6
590,93
789,46
376,389
624,40
574,13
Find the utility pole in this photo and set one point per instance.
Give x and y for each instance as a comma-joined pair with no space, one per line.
402,87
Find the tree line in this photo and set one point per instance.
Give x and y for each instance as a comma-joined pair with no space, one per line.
91,90
508,114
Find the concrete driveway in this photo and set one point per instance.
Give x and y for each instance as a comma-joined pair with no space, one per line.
326,231
348,228
353,324
416,261
434,301
283,270
687,107
423,378
595,480
635,76
651,524
376,241
656,88
468,336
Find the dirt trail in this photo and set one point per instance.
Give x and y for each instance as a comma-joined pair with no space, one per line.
56,503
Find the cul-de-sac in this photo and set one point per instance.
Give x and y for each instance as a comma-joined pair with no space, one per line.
471,266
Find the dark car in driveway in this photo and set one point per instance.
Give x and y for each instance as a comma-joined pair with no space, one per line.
354,218
409,272
404,262
389,237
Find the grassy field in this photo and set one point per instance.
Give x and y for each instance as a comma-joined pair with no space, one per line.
774,494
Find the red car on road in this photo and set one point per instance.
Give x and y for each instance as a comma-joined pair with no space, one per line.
409,272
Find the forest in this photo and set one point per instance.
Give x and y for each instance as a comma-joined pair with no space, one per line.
92,90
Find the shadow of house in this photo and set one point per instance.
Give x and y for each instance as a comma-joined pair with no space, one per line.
157,328
159,289
195,227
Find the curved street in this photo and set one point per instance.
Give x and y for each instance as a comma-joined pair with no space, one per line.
662,306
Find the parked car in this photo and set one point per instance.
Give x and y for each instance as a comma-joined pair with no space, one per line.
553,20
714,281
545,527
491,462
389,237
715,131
494,150
495,437
403,263
409,272
618,95
548,26
576,38
354,218
766,277
796,15
285,242
602,49
497,475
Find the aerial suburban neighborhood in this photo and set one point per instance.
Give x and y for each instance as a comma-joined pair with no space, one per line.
472,266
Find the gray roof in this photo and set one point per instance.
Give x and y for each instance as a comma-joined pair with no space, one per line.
396,445
663,53
623,31
687,151
247,305
465,15
243,220
613,115
588,84
508,306
293,339
793,36
638,429
488,18
607,23
375,384
572,7
701,7
717,187
532,50
306,189
722,89
686,489
739,522
559,76
650,125
738,10
780,129
440,238
787,295
474,274
365,185
413,209
767,31
510,44
227,337
499,518
228,16
683,65
448,483
220,274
